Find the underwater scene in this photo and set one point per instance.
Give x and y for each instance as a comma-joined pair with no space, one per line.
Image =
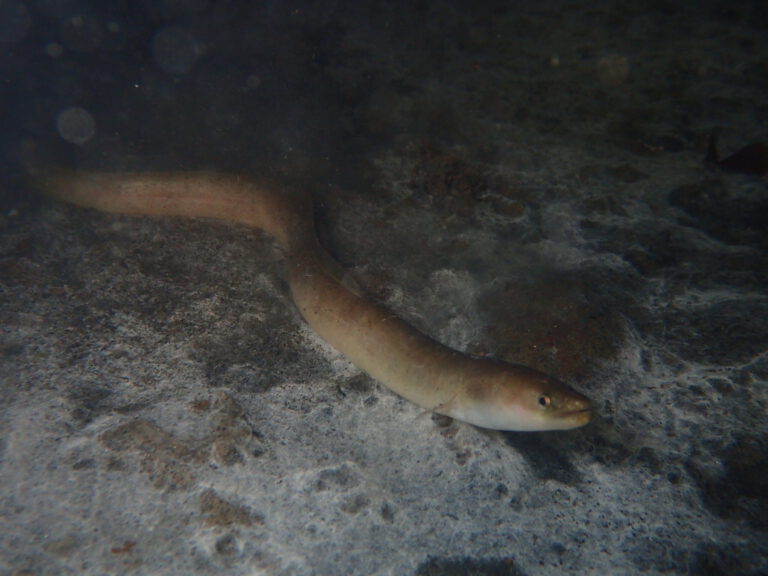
398,288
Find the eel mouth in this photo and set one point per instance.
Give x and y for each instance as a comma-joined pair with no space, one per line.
582,415
578,411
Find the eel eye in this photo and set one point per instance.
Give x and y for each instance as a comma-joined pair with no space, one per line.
545,401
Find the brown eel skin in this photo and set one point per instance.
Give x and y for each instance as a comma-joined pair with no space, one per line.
485,392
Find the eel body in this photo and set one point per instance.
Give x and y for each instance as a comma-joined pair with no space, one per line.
484,392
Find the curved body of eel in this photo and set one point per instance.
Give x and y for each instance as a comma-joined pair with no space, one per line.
484,392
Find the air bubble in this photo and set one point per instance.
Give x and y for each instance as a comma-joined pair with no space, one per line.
76,125
54,49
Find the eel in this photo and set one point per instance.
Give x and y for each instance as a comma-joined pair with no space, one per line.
485,392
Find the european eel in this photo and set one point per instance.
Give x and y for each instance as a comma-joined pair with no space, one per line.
485,392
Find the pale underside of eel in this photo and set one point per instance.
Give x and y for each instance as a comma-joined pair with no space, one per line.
485,392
